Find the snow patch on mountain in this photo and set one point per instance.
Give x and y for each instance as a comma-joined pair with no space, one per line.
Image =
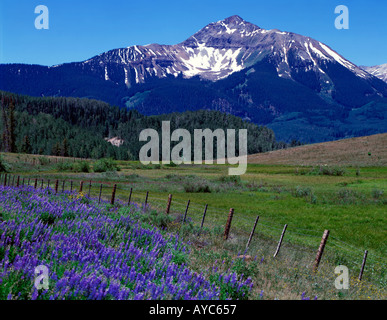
218,50
379,71
208,59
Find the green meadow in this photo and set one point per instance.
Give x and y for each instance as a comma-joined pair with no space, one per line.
350,202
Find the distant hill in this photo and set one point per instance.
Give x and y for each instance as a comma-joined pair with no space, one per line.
361,151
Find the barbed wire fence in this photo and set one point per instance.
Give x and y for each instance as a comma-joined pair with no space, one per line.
281,237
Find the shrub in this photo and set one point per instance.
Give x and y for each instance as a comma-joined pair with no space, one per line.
347,196
305,192
197,186
4,165
160,220
232,179
79,166
337,171
83,166
254,186
104,164
65,166
327,171
300,192
313,198
377,193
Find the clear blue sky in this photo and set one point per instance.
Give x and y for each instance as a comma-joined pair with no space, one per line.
82,29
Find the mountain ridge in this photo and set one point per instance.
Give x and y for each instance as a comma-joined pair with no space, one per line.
379,71
287,81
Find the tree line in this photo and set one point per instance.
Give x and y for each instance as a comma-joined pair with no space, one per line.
80,127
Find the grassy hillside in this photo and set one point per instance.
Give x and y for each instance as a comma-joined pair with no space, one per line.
361,151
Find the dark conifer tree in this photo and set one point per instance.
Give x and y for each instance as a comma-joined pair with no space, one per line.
26,146
65,148
12,127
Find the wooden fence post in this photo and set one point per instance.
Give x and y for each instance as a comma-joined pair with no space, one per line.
48,183
5,180
56,185
363,265
320,250
100,192
113,194
252,233
63,185
36,183
89,188
280,241
130,196
41,186
228,224
81,187
186,211
17,181
71,185
13,180
204,216
168,204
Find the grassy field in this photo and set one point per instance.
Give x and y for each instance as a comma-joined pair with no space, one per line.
348,201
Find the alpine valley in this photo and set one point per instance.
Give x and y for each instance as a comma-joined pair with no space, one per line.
293,84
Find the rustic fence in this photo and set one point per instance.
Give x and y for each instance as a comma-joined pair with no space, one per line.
107,192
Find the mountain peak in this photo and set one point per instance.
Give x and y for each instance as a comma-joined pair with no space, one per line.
229,31
233,20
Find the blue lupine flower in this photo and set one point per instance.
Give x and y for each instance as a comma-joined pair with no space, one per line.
90,255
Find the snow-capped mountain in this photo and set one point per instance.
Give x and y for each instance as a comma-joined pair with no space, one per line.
378,71
218,50
299,86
